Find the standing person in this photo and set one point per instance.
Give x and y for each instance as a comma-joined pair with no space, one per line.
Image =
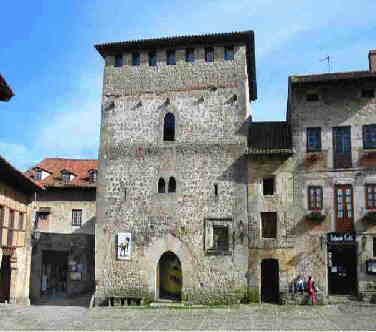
311,290
299,284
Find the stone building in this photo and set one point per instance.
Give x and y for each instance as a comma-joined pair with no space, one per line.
172,199
63,256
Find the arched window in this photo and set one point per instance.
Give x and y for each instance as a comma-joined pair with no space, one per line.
171,185
169,127
161,185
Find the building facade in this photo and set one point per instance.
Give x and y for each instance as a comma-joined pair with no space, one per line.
172,177
63,256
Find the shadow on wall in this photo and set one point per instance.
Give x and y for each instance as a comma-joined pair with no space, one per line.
237,172
304,226
87,228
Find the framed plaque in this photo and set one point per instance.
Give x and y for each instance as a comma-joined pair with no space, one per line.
124,246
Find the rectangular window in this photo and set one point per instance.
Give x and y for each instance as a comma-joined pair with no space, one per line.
152,58
76,217
315,198
66,178
371,196
42,216
312,97
368,93
11,228
314,139
374,247
38,175
229,53
171,58
220,238
118,60
190,55
21,221
369,136
269,225
268,186
136,59
209,54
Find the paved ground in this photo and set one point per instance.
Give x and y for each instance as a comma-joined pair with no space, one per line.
243,317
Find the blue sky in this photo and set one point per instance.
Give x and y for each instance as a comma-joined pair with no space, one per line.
48,58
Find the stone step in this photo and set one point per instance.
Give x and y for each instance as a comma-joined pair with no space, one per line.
338,299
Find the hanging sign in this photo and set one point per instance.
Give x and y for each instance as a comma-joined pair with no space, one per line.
124,244
335,237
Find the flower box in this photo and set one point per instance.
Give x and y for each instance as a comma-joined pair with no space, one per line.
315,216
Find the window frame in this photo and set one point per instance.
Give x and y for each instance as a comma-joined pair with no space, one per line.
229,56
11,228
119,61
209,246
264,234
152,58
316,200
209,50
171,187
136,58
171,57
66,177
190,55
216,247
161,186
77,217
169,127
309,148
366,143
93,176
373,194
269,178
374,246
38,175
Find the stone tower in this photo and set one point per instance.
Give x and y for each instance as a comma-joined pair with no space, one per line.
172,184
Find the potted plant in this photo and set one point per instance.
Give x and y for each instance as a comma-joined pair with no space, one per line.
315,216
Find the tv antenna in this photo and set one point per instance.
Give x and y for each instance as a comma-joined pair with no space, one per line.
327,58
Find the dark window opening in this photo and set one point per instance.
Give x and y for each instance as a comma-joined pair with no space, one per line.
66,178
315,198
118,60
171,185
369,136
93,177
125,194
368,93
371,196
2,220
314,139
11,228
152,58
312,97
269,224
190,55
21,221
216,190
220,238
161,186
169,127
42,216
268,186
209,54
171,58
374,246
38,175
229,53
76,217
136,59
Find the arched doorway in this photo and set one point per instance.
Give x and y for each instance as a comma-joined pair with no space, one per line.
270,281
170,277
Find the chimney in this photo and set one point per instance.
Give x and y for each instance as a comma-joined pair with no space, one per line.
372,60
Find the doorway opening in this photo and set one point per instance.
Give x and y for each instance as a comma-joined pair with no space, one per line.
54,273
170,277
5,277
270,281
342,269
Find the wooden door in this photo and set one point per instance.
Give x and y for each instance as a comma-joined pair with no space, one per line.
342,147
344,208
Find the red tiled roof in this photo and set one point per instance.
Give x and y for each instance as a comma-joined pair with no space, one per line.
5,91
79,167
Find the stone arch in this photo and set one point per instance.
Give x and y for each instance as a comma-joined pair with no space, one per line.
172,185
169,127
169,277
161,186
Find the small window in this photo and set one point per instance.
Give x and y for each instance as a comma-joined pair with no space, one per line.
209,54
171,58
268,186
38,175
76,217
312,97
93,177
371,196
190,55
269,224
11,228
118,60
125,194
315,198
136,59
369,136
21,221
66,178
152,58
374,246
169,127
220,238
161,186
229,53
368,93
2,215
216,190
314,139
171,185
42,216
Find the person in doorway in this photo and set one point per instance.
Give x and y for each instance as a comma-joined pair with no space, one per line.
311,290
299,284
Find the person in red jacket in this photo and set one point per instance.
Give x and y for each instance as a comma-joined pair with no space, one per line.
311,290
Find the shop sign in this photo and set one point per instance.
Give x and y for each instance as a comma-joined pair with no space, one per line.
341,237
124,245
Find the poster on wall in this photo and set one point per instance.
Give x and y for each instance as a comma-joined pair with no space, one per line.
124,246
